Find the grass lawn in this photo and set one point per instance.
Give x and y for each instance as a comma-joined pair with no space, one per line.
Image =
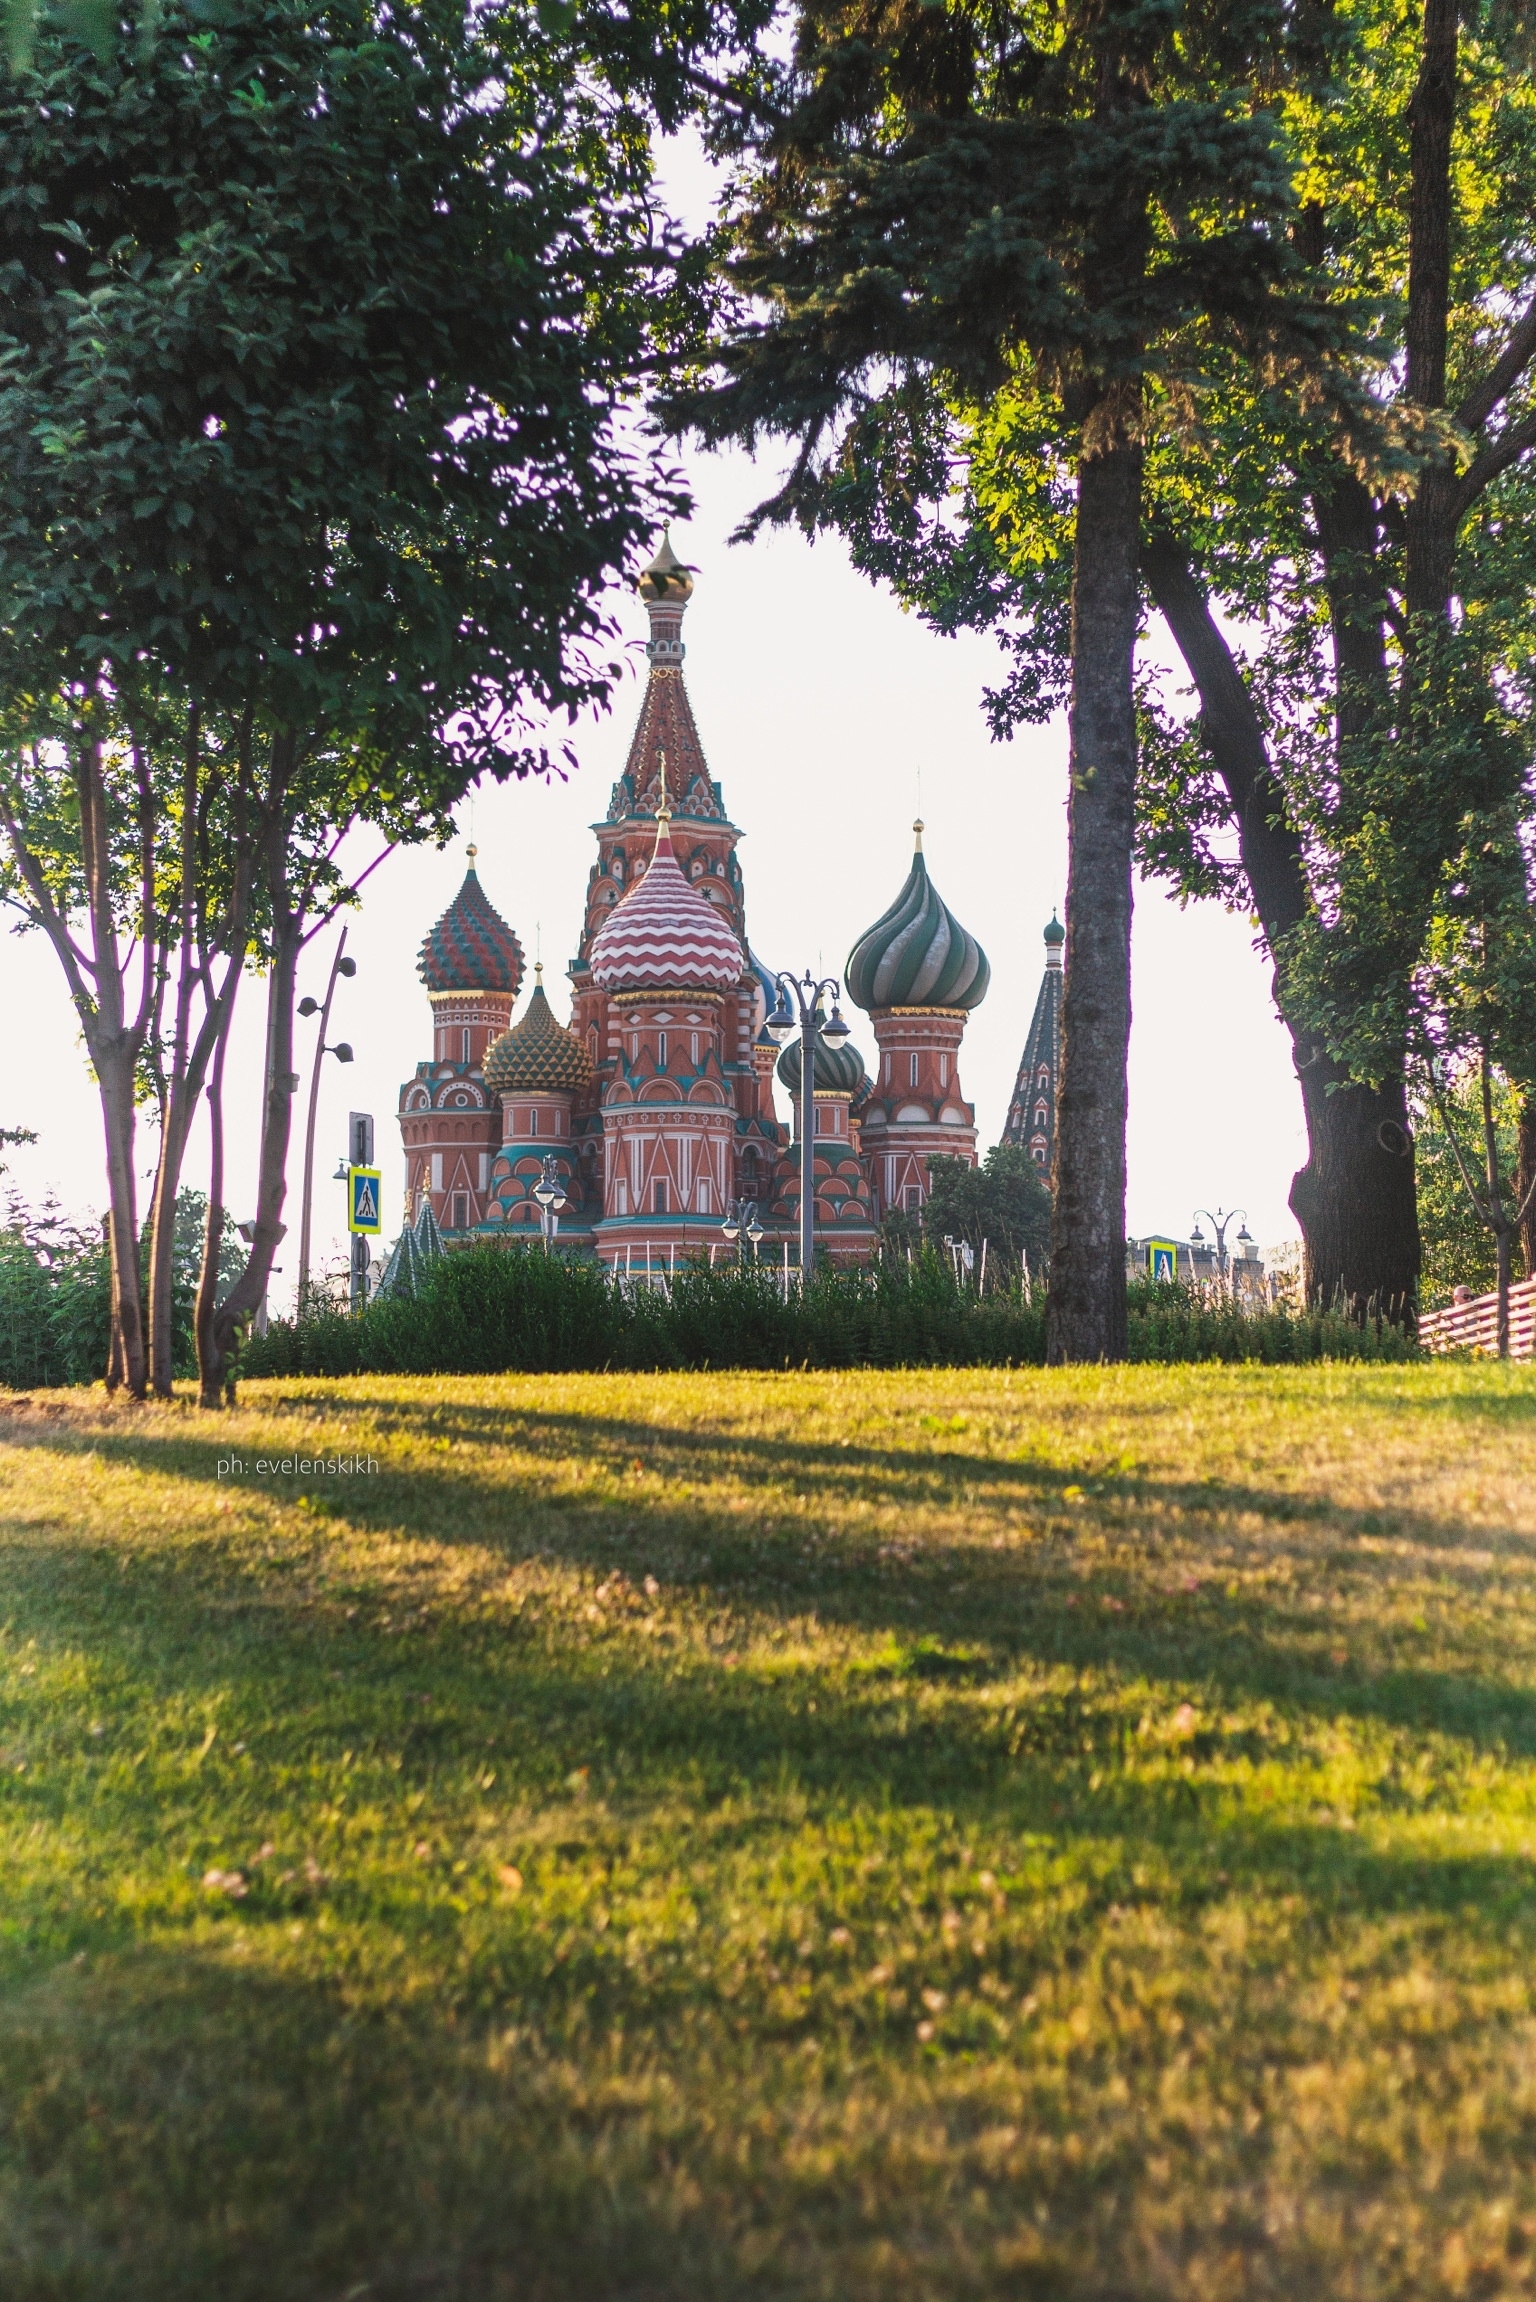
1065,1835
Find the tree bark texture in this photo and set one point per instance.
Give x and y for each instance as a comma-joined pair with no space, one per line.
1085,1317
1355,1198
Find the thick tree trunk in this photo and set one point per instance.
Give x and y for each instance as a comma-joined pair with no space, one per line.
1085,1316
1355,1197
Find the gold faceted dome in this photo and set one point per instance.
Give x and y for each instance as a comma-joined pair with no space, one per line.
538,1056
667,578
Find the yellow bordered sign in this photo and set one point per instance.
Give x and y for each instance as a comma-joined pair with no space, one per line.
1162,1258
363,1200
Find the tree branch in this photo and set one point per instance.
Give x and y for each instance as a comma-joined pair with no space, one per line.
1495,458
1506,371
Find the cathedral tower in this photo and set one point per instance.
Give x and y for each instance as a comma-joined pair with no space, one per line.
918,974
471,964
1031,1121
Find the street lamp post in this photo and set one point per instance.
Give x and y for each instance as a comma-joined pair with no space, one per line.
807,993
343,1054
741,1216
1219,1222
550,1196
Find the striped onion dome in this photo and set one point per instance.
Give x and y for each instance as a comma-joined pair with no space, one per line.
663,935
837,1067
471,948
538,1056
917,954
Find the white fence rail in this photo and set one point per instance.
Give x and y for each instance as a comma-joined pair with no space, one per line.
1474,1325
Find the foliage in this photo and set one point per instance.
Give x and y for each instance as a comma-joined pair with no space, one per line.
1458,1247
56,1292
492,1309
1071,1824
1003,1202
320,329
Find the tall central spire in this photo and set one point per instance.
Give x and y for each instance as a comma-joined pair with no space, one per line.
666,722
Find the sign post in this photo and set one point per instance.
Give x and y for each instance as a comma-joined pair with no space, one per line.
365,1218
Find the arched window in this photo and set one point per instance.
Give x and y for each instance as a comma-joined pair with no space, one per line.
464,1058
1040,1114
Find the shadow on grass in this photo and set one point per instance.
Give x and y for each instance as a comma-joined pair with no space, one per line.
1015,1604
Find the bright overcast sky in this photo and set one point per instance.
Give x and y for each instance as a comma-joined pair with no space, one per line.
822,708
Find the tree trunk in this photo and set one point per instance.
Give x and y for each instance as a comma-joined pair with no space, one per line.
1085,1315
127,1365
210,1390
1525,1183
244,1298
1355,1198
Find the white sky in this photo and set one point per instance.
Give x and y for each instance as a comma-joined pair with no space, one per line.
820,706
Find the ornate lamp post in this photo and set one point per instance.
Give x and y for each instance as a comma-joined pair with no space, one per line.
1219,1222
806,995
343,1054
550,1195
741,1216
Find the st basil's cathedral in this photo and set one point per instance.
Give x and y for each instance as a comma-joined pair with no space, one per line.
656,1100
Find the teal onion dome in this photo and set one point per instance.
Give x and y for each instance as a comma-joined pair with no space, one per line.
837,1068
471,948
1055,933
917,954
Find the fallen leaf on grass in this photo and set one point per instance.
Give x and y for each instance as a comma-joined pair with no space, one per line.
511,1878
225,1882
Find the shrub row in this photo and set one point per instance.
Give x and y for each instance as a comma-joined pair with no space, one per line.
492,1310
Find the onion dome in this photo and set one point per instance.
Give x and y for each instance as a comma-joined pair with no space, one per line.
538,1056
667,577
837,1067
917,954
1055,933
663,935
471,948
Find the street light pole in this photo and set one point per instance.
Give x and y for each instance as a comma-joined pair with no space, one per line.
550,1195
1219,1223
741,1217
343,1054
806,993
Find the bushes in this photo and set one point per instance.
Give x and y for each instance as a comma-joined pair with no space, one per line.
492,1310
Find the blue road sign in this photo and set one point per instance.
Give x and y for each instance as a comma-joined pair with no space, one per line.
363,1211
1163,1258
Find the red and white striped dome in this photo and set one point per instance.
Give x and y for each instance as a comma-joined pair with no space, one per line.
664,936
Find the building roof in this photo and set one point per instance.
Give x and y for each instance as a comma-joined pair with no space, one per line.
837,1067
538,1056
471,948
663,935
917,954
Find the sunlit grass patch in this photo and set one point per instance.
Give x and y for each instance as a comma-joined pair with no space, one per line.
958,1835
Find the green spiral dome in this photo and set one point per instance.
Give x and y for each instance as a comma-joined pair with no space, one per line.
917,954
836,1069
538,1056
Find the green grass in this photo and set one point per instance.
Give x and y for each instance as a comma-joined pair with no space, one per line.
850,1837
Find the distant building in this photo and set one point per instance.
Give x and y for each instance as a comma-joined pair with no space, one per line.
656,1101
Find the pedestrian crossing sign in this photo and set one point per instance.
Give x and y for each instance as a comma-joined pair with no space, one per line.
363,1200
1162,1259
